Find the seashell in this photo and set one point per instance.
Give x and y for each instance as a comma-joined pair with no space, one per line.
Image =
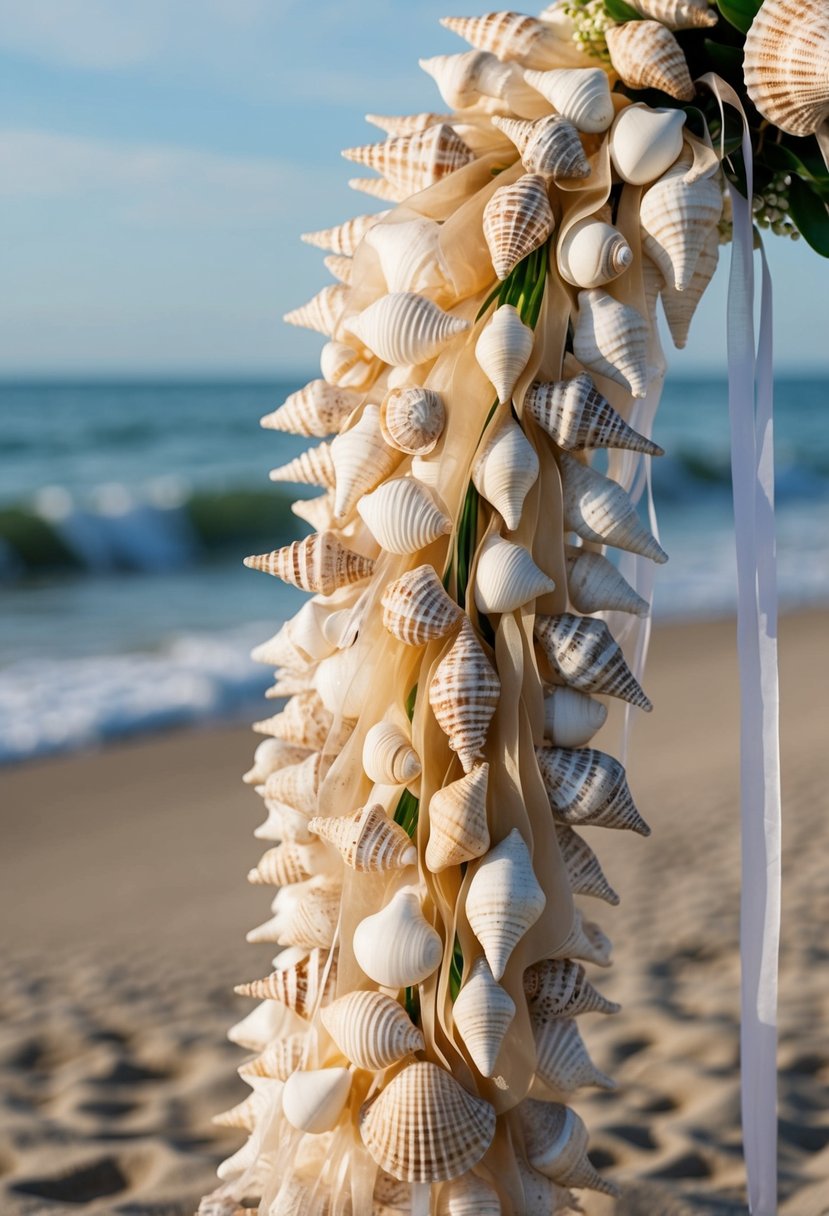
289,862
506,577
786,65
586,941
468,1196
368,840
342,682
417,609
377,187
559,988
299,983
412,419
318,512
410,255
304,722
478,78
680,306
288,684
677,218
581,95
405,328
677,14
411,163
317,410
562,1061
572,718
279,1060
584,873
503,350
344,238
323,312
298,785
404,124
313,1101
403,517
464,694
592,253
424,1127
644,143
517,219
372,1030
504,900
391,1197
270,755
483,1013
311,922
341,268
556,1142
345,367
596,508
540,1195
244,1116
397,947
508,35
361,459
610,339
550,146
583,652
586,786
646,55
283,823
458,829
319,563
312,467
505,471
595,585
576,416
260,1027
388,756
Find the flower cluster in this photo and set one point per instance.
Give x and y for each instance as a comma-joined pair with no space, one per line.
589,20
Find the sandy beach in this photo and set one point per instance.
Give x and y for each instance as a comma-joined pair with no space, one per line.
123,907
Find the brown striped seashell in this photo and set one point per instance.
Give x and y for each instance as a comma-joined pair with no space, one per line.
376,187
458,830
271,755
410,255
372,1030
556,1142
368,841
464,695
397,947
562,1061
586,941
645,142
317,512
508,35
279,1060
298,785
504,900
572,718
584,873
405,124
289,863
345,367
680,306
610,339
583,652
597,509
388,756
588,787
559,988
468,1196
317,410
678,14
577,417
311,922
595,585
424,1127
581,95
405,328
786,65
323,312
503,350
592,253
646,55
412,419
297,982
314,1099
517,219
506,577
540,1195
361,459
245,1116
413,162
403,517
417,609
677,218
320,563
505,471
344,238
340,267
304,722
313,467
483,1013
549,146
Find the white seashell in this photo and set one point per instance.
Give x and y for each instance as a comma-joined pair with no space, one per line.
504,900
558,988
317,410
584,873
582,650
677,218
368,841
562,1061
506,577
786,64
345,238
458,829
646,55
596,508
680,306
372,1030
678,14
283,823
341,268
403,517
556,1142
299,983
480,79
468,1196
260,1027
424,1127
303,722
405,328
288,863
320,563
397,947
586,941
270,755
483,1013
410,255
592,253
580,94
412,419
505,471
572,718
508,35
517,219
311,921
550,146
644,143
388,756
464,694
342,682
323,312
595,585
417,609
313,1101
610,339
361,458
288,684
576,416
343,366
540,1195
503,350
377,187
413,162
404,124
312,467
279,1060
586,786
298,785
318,512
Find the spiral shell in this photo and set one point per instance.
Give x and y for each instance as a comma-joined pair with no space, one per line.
786,64
313,1101
284,823
313,467
412,419
311,921
323,312
304,722
464,695
506,577
404,124
680,306
403,517
572,718
371,1030
361,458
583,652
506,34
476,78
540,1196
559,988
645,142
397,947
610,339
592,253
262,1025
584,873
458,830
417,609
577,417
678,14
271,755
550,146
316,410
341,268
596,508
504,900
410,256
468,1196
483,1013
677,218
319,563
556,1142
595,585
317,512
388,756
581,95
344,238
289,863
586,786
647,56
279,1060
517,219
297,785
368,840
505,471
503,350
562,1061
298,983
346,367
413,162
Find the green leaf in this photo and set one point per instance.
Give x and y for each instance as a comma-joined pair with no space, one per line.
739,13
617,10
811,215
724,59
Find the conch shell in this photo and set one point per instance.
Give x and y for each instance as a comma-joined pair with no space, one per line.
320,563
458,829
341,268
313,1101
592,253
417,609
289,863
411,163
680,306
313,467
483,1013
410,255
361,458
300,981
550,146
517,219
464,695
645,142
506,577
504,349
572,718
412,419
556,1142
397,947
504,900
677,217
323,312
584,653
577,417
610,339
508,35
559,988
345,238
562,1061
505,471
388,756
403,517
405,328
786,65
279,1060
372,1030
270,755
297,785
580,94
584,873
479,79
647,56
367,841
595,585
317,410
586,786
346,367
596,508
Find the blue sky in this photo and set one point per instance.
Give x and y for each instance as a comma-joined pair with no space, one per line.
158,159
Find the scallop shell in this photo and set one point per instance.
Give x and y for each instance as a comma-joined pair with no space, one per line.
368,840
786,64
410,255
595,585
344,238
680,306
508,35
556,1142
413,162
299,983
678,14
298,785
412,419
596,508
646,55
304,722
503,350
388,756
592,253
361,459
397,947
323,312
572,718
403,517
583,652
610,339
345,367
279,1060
288,863
550,146
677,218
581,95
317,410
645,142
313,1101
320,563
584,872
506,577
505,471
468,1196
562,1061
458,829
372,1030
313,467
417,609
504,900
271,755
424,1127
559,988
464,694
483,1013
517,219
576,416
405,328
586,786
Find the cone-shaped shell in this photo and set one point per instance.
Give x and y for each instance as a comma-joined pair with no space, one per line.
361,459
645,142
284,823
317,410
610,339
412,419
556,1142
477,78
270,755
320,563
572,718
405,328
344,238
458,829
592,253
680,306
586,786
317,512
559,988
424,1127
311,922
413,162
397,947
517,219
372,1030
584,873
508,35
549,146
261,1026
313,1101
242,1117
342,365
464,695
595,585
506,577
503,350
596,508
540,1195
786,64
583,652
368,840
279,1060
580,94
577,417
404,124
678,14
417,609
677,218
647,56
313,467
504,900
468,1196
289,862
377,187
297,785
304,722
341,268
323,312
562,1061
388,756
299,984
505,471
410,255
483,1013
403,517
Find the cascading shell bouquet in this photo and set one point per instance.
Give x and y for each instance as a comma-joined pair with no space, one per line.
428,781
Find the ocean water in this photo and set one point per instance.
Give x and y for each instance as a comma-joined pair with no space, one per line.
125,510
